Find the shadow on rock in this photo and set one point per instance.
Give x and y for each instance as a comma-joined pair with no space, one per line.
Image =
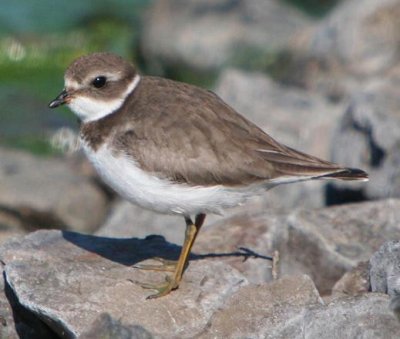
131,251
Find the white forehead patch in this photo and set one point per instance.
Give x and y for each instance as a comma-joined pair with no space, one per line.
71,84
91,109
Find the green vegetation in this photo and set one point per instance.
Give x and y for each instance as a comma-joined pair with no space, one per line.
33,66
35,144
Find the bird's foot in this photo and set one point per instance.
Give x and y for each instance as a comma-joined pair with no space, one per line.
165,265
162,289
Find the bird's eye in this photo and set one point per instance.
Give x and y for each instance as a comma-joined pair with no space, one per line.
99,82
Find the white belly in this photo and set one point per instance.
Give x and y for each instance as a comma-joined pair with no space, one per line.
160,195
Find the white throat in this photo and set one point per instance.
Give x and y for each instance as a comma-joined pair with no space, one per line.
90,109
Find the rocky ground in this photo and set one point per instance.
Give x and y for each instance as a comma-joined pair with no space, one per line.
310,260
332,279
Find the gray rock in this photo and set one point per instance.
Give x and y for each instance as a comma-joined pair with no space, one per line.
357,41
204,35
384,273
372,46
108,328
7,324
15,321
370,126
384,269
48,192
67,279
126,220
323,243
256,311
278,312
367,316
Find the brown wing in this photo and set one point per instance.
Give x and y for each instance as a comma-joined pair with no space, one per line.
190,135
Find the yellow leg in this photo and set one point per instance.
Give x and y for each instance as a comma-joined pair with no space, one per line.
172,283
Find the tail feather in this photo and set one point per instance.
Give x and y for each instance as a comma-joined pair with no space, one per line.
291,165
347,174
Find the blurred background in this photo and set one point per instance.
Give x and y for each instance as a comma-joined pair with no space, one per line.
321,76
192,41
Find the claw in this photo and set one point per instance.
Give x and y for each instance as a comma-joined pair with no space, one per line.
162,289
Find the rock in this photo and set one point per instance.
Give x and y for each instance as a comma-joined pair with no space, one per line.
15,321
323,243
384,270
67,279
109,328
7,325
366,316
10,224
47,192
357,41
205,35
371,48
256,311
369,126
384,273
354,282
126,220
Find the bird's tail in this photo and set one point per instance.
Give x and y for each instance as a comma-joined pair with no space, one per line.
346,174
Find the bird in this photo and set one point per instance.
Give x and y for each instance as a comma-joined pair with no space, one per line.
175,148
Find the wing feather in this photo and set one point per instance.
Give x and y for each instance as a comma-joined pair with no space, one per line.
207,142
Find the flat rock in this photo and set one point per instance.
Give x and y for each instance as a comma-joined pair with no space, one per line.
254,311
280,316
323,243
204,35
67,280
48,192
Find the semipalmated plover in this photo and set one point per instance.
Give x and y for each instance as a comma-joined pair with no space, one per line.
175,148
